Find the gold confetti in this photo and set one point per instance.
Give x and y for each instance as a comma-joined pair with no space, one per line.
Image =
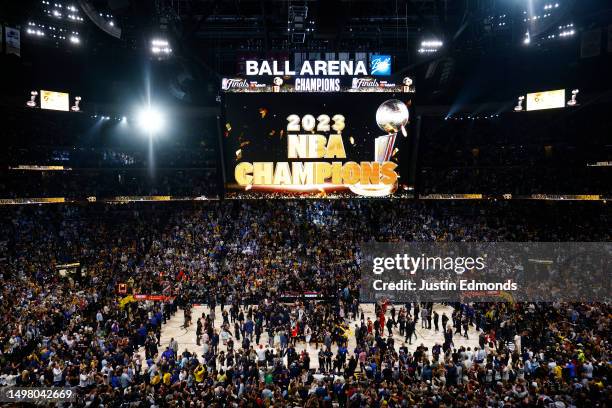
263,112
248,187
238,154
246,143
352,140
228,127
394,152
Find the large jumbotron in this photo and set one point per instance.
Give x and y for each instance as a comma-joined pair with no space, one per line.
306,203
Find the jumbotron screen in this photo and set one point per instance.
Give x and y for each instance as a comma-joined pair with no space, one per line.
316,144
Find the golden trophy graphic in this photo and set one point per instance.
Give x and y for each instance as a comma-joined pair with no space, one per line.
392,117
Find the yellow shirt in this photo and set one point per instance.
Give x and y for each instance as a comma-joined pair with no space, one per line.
558,371
199,374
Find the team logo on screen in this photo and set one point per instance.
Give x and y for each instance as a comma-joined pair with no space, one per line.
380,65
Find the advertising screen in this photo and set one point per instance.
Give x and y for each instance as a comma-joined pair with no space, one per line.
546,100
351,142
54,100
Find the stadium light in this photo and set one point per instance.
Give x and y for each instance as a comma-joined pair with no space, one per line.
74,39
151,120
160,46
430,46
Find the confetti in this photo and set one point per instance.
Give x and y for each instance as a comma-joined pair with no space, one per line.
263,112
245,143
272,133
394,152
228,127
238,154
352,140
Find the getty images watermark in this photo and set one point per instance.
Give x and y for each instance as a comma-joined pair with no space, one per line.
503,271
412,264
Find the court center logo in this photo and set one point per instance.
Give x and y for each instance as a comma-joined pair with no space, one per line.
380,65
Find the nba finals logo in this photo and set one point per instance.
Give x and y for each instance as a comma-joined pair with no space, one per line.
380,65
230,83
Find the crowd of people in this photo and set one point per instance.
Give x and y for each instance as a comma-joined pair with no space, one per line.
542,153
71,317
80,184
93,157
517,153
113,157
539,179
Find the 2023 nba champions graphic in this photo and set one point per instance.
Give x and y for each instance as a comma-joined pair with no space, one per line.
320,136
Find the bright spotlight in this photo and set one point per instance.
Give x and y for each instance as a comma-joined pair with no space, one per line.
151,120
430,46
160,47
